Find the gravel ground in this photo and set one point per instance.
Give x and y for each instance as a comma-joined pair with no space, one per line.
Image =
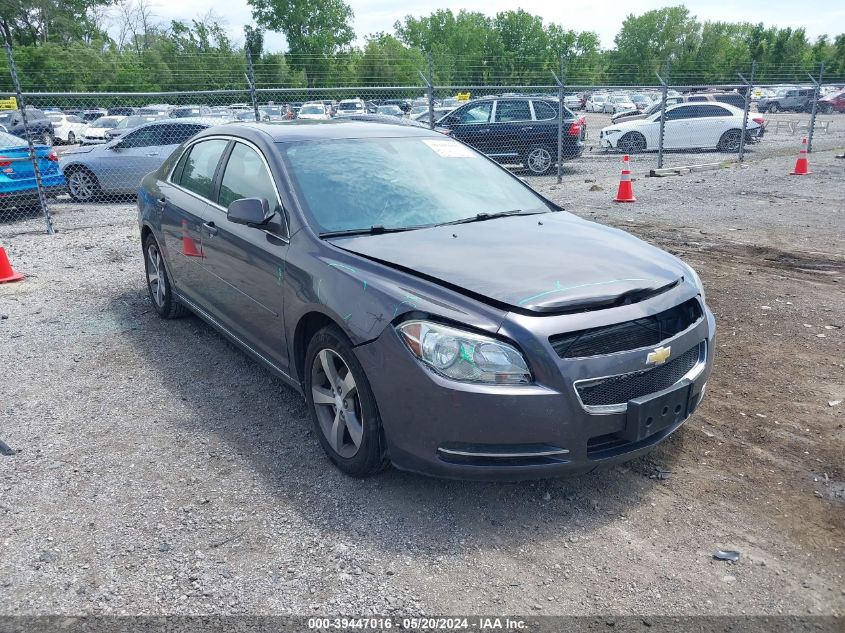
160,471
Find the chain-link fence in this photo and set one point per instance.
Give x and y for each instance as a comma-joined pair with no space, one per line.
66,151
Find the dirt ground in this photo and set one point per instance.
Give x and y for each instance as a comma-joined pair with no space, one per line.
160,471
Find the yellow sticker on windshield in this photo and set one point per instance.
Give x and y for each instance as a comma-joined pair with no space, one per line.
448,148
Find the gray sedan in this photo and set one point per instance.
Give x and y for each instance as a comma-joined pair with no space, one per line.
434,310
117,167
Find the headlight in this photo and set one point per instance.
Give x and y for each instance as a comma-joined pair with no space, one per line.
464,356
695,279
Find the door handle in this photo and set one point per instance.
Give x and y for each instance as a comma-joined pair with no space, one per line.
210,228
161,202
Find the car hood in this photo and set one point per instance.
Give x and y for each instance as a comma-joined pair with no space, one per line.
553,262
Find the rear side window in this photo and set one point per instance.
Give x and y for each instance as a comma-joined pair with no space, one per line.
710,110
544,111
516,110
200,165
246,177
680,113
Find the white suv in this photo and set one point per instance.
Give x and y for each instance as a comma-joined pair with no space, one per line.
348,107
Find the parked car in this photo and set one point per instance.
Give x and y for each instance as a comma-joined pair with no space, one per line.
67,128
834,102
190,111
641,101
277,112
93,114
390,110
316,111
121,111
161,109
403,104
348,107
39,127
634,115
435,311
130,123
516,130
249,115
117,167
791,99
17,177
572,101
439,113
96,132
595,103
731,98
619,103
688,126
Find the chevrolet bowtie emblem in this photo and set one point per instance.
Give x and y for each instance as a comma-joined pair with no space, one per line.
658,356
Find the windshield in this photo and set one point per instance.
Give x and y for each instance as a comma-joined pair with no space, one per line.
55,117
7,140
350,184
312,109
350,106
106,121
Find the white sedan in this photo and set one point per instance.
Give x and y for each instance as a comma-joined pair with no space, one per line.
595,103
688,126
97,132
67,128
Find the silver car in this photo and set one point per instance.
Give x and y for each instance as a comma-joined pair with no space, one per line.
117,167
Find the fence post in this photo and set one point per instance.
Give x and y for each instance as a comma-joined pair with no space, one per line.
250,80
33,157
560,106
749,86
816,89
430,83
665,93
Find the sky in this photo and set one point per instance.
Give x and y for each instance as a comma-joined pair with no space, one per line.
602,16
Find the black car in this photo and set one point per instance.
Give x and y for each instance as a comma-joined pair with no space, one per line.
435,311
517,130
40,127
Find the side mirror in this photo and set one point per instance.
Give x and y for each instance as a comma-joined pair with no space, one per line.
250,211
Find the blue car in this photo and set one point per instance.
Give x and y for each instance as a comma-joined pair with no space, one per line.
17,178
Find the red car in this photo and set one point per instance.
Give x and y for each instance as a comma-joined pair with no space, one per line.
833,103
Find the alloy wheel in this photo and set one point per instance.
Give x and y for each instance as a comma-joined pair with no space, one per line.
71,138
539,160
337,403
155,275
731,141
81,185
631,143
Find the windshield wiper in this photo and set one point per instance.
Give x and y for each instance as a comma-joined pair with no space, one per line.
373,230
481,217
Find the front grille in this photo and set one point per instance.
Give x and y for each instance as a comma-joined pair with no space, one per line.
617,390
646,332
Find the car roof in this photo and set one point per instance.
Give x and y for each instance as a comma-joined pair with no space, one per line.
335,129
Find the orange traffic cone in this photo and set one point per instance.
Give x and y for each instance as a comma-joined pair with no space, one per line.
7,273
626,189
189,247
802,167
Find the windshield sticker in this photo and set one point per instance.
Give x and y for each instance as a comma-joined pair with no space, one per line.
449,149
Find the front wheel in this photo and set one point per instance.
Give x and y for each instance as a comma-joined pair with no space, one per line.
342,405
773,108
632,143
538,160
827,109
730,141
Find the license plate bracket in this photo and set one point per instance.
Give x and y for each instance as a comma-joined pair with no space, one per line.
651,414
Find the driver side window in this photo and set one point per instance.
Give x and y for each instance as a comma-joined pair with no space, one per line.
246,176
479,113
145,137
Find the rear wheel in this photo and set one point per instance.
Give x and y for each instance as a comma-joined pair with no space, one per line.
773,108
71,138
827,109
342,405
47,139
632,143
730,141
164,301
82,185
538,160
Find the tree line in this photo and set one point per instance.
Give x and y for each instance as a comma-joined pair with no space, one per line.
120,45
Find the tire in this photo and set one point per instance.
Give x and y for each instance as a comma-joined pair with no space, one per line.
346,420
729,141
71,138
82,185
827,109
538,160
47,139
773,108
632,143
165,303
